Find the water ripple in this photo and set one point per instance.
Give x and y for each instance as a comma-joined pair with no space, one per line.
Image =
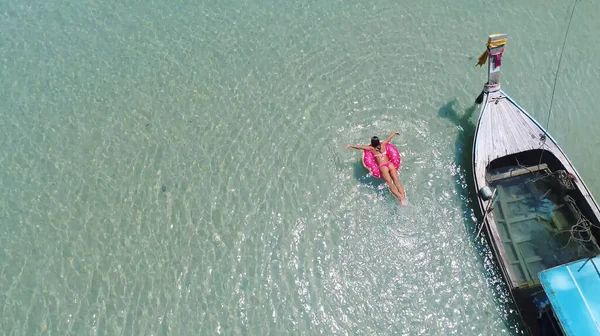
170,168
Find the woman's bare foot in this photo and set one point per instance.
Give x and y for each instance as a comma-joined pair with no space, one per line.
400,197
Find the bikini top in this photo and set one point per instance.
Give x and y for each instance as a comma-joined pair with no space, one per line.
380,154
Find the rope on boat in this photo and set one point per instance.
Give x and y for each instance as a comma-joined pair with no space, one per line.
542,136
565,180
559,62
581,232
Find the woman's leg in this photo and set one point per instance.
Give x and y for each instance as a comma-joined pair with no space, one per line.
394,176
385,173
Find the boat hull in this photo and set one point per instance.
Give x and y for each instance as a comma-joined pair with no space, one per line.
512,153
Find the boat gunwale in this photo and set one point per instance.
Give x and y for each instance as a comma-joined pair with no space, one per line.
499,251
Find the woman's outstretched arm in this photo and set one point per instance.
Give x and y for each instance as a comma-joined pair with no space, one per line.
391,136
357,147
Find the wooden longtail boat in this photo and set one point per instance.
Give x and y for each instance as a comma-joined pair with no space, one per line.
537,212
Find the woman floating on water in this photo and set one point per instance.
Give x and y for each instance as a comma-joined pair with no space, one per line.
387,169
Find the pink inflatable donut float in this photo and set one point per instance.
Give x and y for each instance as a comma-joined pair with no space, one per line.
370,163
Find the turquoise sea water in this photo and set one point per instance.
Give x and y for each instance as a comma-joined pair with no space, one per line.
177,167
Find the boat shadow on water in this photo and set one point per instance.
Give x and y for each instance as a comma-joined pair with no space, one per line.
465,188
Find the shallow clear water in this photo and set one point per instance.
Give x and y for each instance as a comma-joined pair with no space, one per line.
175,167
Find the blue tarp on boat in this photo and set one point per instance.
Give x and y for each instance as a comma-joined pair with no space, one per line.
574,292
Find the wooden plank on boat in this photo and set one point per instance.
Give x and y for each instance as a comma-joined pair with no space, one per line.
533,259
503,130
511,238
517,199
521,218
517,172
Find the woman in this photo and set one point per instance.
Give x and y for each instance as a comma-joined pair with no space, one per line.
388,171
